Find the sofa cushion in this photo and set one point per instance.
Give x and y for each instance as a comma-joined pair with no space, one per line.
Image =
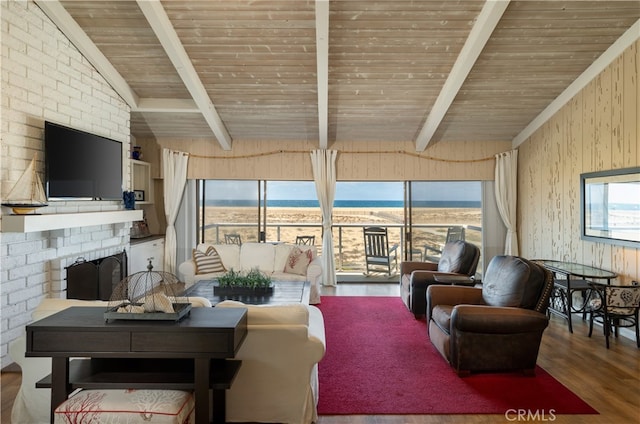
257,255
291,314
209,261
298,261
229,253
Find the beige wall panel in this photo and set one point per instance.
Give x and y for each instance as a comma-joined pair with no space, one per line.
546,228
556,175
589,155
573,161
617,140
524,192
356,161
603,136
633,76
617,113
530,210
604,140
597,130
631,132
588,130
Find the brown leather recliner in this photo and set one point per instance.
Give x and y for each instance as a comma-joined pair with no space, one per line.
497,327
458,258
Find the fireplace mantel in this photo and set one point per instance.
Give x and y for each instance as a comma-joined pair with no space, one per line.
46,222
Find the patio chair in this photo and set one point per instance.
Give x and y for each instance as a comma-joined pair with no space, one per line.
614,307
378,256
306,240
453,234
233,239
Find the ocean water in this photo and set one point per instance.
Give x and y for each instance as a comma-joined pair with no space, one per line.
350,203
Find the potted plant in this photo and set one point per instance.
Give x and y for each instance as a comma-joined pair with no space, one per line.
253,282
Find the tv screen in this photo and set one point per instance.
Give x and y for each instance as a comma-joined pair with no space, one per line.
80,165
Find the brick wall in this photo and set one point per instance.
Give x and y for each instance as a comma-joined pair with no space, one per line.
44,77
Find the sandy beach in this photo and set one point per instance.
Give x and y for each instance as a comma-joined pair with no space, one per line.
285,223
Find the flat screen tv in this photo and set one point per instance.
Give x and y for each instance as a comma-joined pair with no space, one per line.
80,165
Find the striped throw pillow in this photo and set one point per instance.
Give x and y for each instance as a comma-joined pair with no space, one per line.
208,262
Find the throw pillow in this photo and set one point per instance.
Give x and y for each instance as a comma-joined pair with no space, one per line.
208,262
298,261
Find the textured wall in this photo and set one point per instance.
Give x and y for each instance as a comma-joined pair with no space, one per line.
597,130
44,77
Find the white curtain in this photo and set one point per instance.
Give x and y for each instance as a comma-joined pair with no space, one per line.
175,178
507,197
324,174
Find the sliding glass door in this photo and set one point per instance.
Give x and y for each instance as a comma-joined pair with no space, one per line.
438,211
229,208
418,215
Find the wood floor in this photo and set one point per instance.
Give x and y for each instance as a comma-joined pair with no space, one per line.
609,380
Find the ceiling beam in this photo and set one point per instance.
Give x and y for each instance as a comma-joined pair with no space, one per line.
159,21
486,22
605,59
65,22
322,59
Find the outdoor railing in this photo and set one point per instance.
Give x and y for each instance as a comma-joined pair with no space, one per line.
348,238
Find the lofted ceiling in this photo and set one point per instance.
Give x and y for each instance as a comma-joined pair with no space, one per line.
424,71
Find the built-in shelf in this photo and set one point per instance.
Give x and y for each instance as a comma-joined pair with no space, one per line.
141,181
45,222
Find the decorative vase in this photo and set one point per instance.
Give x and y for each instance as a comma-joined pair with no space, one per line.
129,198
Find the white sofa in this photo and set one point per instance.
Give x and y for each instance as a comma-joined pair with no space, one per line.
270,258
31,405
278,379
279,372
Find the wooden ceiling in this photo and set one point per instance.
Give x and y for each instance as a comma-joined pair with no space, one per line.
346,70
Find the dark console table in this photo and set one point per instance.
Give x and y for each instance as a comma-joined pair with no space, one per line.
190,354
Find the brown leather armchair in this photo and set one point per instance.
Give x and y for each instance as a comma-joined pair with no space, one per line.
459,258
497,327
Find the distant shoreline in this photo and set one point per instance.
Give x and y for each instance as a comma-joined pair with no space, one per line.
349,203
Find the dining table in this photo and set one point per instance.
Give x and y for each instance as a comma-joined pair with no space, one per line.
570,278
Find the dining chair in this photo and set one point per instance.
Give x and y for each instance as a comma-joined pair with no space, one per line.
615,306
232,239
306,240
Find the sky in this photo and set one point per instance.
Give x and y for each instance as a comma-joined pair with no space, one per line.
296,190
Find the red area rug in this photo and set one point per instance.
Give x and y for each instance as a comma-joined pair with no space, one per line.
379,360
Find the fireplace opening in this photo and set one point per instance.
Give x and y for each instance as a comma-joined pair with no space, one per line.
96,279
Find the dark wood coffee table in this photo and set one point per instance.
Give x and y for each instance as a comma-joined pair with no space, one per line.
283,292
